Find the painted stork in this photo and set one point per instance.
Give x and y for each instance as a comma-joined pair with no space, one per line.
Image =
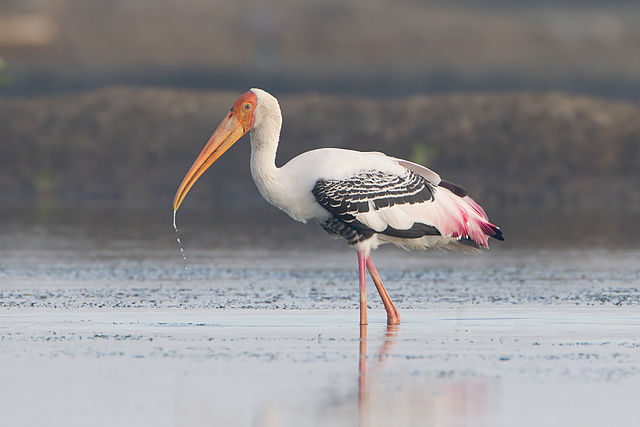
366,198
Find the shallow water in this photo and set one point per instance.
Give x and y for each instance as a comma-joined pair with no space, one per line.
475,366
100,326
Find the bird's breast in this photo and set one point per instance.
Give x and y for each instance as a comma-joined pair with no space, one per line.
289,191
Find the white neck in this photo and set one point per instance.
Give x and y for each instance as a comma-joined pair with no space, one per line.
264,144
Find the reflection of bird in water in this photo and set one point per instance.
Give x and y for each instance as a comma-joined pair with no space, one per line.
362,376
367,198
390,333
442,403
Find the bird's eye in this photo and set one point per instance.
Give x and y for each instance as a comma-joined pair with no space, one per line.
247,106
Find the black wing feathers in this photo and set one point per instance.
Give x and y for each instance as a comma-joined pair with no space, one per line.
456,189
346,198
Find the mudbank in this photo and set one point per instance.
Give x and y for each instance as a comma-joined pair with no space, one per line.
515,151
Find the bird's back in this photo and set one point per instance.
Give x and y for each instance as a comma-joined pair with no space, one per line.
370,198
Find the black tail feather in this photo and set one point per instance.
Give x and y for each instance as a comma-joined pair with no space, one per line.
497,233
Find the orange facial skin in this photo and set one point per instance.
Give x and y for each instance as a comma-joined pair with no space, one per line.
244,108
239,121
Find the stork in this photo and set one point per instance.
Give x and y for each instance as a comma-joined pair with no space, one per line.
366,198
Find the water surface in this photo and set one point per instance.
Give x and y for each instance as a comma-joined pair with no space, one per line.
100,326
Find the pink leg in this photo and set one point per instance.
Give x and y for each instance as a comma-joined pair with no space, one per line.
393,317
363,287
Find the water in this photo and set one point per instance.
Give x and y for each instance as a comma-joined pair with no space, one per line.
544,329
184,255
521,365
266,261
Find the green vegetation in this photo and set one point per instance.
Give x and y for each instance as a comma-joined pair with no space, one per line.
5,79
422,153
513,152
43,183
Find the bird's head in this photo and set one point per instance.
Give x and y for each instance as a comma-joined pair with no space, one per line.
246,113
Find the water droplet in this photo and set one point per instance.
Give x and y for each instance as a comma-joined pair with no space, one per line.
184,256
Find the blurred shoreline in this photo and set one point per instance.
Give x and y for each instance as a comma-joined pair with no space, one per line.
515,152
383,84
34,228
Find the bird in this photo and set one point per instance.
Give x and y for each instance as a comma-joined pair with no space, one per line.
365,198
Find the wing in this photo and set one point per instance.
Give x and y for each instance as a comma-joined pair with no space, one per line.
405,206
426,173
350,200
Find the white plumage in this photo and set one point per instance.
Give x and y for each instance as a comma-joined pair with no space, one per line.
290,187
368,198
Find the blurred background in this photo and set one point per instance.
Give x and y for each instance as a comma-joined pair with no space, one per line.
532,105
374,48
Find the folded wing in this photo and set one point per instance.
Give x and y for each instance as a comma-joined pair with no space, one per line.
402,206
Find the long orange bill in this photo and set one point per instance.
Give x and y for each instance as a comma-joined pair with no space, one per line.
227,133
